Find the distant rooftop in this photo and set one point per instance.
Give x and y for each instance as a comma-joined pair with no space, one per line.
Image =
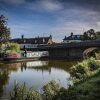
37,40
73,37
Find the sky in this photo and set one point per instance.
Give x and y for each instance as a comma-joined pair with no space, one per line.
58,18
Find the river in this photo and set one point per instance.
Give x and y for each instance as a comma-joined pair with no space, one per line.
35,74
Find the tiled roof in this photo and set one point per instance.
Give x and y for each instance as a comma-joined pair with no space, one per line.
73,37
38,40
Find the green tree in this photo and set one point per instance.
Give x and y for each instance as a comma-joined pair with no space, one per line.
98,35
91,33
85,36
4,30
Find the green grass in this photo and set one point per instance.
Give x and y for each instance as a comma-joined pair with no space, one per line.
89,90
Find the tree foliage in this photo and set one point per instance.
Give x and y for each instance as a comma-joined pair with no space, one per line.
4,30
12,47
91,35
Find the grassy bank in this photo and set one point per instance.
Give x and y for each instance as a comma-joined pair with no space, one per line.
89,90
86,78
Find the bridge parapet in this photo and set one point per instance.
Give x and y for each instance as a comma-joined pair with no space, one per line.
71,45
69,50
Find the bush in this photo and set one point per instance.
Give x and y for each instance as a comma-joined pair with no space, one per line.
93,64
20,92
50,90
97,55
84,69
12,47
80,70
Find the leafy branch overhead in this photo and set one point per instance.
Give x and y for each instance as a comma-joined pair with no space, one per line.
4,30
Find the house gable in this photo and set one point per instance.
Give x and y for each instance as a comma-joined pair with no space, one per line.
38,40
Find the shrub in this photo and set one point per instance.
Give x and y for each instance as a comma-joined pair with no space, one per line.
93,64
12,47
97,55
20,92
84,69
50,90
80,70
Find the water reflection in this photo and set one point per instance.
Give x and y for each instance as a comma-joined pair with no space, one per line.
4,77
37,64
34,73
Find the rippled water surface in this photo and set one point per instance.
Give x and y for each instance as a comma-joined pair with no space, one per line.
35,74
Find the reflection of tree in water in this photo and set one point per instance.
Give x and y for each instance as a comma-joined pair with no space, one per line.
62,64
4,77
5,70
23,66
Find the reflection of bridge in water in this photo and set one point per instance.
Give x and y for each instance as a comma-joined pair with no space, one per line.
39,65
47,65
70,50
36,63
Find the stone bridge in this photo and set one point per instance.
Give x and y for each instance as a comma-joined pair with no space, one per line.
68,51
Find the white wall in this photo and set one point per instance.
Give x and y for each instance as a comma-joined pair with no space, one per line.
28,45
69,41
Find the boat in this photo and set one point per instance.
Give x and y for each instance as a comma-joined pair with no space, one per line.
29,55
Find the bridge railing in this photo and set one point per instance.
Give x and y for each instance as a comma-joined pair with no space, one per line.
81,44
68,45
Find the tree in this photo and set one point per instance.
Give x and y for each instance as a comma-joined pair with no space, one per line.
91,33
98,35
4,31
85,36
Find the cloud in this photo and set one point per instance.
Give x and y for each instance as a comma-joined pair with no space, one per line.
47,5
51,5
55,5
44,5
98,24
59,17
15,2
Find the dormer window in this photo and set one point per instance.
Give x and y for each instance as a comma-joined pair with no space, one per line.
73,36
35,41
43,40
24,41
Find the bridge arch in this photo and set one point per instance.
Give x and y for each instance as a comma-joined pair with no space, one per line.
90,52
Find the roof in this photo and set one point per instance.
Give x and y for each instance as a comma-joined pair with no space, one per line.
73,37
38,40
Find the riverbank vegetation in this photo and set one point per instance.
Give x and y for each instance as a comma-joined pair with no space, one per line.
12,47
5,44
86,78
84,70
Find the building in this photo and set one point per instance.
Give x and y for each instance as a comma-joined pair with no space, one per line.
32,42
72,38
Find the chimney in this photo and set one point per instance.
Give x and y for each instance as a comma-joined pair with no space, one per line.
22,37
50,36
71,33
